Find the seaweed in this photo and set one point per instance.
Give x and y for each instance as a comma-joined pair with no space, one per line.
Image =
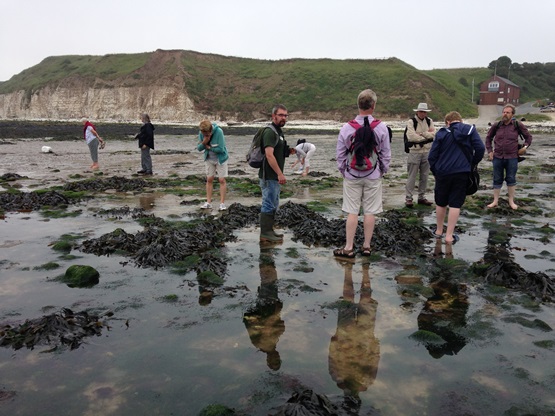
64,328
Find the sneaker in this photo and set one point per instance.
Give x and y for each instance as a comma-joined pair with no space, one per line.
141,172
206,205
222,207
409,203
298,172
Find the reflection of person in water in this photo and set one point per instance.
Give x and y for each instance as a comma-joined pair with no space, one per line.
263,320
354,350
444,313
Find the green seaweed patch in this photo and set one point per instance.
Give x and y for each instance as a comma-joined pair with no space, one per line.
68,257
327,182
319,206
59,213
292,252
545,229
172,298
547,344
80,276
244,186
77,195
412,220
209,278
427,337
47,266
63,246
184,266
519,222
13,191
534,324
217,410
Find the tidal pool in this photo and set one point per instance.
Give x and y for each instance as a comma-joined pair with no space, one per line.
288,317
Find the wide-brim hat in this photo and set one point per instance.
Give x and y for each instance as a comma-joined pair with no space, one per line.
422,107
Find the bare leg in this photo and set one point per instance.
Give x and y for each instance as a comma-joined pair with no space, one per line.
351,229
440,218
511,192
496,193
209,188
369,223
452,219
223,189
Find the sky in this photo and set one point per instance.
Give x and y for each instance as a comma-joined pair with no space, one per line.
426,34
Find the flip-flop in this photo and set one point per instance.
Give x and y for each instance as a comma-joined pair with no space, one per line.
455,239
341,252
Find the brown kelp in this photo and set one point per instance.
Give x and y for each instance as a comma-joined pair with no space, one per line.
31,201
64,328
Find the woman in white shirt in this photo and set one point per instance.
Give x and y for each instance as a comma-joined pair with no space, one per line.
304,152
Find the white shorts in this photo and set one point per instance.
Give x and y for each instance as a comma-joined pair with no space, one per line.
214,168
362,192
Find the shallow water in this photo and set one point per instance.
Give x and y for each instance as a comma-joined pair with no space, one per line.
161,357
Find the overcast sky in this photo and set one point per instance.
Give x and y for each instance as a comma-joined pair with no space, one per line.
426,34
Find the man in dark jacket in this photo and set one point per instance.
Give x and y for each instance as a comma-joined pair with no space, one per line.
451,166
146,142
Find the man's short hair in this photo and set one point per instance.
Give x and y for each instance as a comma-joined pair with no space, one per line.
205,126
452,116
512,107
278,107
145,118
367,100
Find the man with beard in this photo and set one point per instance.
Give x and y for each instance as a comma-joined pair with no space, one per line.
505,152
271,172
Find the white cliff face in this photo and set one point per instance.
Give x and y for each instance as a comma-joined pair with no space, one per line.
162,103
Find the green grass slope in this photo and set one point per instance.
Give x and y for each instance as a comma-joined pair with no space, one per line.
247,88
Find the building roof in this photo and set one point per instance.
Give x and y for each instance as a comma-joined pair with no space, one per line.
505,80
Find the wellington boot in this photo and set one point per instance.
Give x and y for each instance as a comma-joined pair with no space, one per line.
266,230
280,235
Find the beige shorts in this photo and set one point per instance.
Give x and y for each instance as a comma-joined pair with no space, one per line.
215,169
362,192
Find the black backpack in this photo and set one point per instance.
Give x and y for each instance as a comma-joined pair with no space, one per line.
363,152
408,144
255,156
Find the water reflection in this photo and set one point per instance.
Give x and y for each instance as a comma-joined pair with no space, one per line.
354,351
444,313
263,320
147,201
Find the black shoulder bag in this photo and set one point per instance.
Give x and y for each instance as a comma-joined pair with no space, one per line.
473,182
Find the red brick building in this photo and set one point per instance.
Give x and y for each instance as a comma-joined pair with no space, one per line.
499,91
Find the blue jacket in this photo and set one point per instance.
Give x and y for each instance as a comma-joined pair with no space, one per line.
446,156
217,144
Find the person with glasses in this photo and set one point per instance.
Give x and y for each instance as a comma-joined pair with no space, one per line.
271,174
211,140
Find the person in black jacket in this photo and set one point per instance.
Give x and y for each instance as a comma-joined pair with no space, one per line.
455,150
146,142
